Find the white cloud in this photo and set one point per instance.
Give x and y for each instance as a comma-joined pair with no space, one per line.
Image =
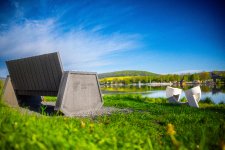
79,49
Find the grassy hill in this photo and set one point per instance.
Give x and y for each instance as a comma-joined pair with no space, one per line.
151,124
126,73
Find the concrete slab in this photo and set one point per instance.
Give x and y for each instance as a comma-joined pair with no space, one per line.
79,92
8,94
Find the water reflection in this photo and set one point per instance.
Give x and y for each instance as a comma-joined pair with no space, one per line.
216,92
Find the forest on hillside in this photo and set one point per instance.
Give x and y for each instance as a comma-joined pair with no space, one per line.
196,77
126,73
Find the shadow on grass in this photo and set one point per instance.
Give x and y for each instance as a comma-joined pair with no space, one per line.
45,108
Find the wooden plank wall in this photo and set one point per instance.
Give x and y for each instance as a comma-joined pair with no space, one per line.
37,75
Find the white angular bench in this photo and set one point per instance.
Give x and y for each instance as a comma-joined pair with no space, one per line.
173,95
193,96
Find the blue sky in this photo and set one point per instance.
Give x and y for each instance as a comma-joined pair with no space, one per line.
161,36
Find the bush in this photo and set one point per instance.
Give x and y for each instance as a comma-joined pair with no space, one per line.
207,100
221,103
183,99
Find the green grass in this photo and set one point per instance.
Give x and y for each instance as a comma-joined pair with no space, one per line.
144,128
49,98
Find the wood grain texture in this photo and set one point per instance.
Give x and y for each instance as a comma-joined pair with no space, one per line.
37,75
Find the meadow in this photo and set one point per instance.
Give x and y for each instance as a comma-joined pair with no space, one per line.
152,124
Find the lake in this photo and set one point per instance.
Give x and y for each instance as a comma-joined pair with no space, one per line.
216,93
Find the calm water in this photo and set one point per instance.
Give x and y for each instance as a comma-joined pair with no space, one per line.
216,93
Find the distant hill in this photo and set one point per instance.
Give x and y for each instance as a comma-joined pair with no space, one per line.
146,73
126,73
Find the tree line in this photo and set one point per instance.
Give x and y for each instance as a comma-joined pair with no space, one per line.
197,77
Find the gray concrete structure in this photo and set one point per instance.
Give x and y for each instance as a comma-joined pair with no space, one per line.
12,99
79,93
9,95
33,77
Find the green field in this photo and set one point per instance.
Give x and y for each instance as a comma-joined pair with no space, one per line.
152,124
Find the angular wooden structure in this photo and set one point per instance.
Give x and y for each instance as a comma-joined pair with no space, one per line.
43,75
37,75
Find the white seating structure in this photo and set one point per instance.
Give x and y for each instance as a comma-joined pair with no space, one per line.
173,94
193,95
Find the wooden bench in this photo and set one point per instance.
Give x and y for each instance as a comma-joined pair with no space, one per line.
43,75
